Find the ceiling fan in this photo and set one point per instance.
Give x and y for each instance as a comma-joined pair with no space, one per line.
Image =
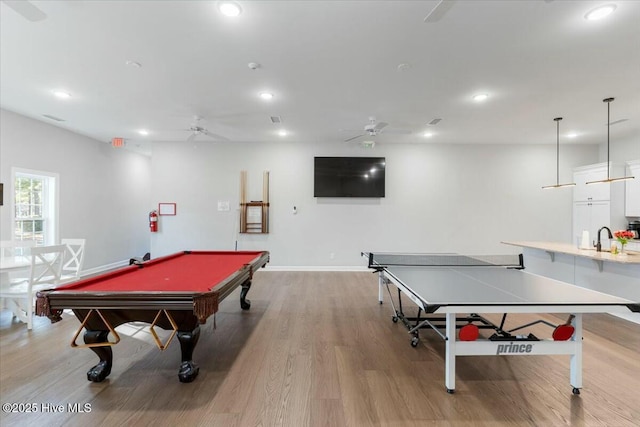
373,129
197,130
25,9
439,10
442,7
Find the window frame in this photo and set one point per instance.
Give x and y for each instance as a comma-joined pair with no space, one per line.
50,202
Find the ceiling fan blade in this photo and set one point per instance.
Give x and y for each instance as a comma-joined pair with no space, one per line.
355,137
26,10
380,126
215,135
439,11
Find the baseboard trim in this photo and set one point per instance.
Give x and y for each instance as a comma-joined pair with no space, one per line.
315,268
103,268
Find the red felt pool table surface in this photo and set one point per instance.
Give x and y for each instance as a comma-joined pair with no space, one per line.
189,271
177,292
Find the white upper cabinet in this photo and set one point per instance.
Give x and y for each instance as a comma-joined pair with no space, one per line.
589,193
598,205
632,190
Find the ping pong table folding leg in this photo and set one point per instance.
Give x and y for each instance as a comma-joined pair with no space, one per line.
450,354
576,358
381,284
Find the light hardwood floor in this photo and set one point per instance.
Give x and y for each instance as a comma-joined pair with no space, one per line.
316,349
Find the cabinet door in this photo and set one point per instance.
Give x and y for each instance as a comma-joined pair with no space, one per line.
587,193
580,191
598,191
632,192
591,216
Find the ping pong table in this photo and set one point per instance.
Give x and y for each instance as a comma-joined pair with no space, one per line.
453,291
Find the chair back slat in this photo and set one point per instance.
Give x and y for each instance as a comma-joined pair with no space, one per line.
46,264
74,258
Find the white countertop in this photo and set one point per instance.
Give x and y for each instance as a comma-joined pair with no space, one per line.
629,257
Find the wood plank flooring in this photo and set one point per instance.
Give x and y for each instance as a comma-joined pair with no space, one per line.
316,349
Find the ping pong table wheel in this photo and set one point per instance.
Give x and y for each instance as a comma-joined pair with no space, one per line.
394,319
576,390
451,390
415,341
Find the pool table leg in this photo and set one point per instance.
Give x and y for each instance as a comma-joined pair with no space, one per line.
188,369
102,370
245,304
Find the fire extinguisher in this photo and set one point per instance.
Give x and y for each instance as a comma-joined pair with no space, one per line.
153,221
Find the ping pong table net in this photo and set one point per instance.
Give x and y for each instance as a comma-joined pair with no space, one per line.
382,260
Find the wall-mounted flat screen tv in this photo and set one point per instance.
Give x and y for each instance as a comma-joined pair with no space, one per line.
349,176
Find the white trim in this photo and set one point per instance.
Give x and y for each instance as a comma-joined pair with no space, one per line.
101,269
52,215
269,267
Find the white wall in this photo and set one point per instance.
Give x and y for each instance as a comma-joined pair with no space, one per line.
620,150
104,192
464,198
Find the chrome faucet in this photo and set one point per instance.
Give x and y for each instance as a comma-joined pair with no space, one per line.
599,245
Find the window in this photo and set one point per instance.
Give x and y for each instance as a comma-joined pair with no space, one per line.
35,206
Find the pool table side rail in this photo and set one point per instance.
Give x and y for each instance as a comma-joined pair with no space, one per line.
51,303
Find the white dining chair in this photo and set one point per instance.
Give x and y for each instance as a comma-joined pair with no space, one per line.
74,260
44,273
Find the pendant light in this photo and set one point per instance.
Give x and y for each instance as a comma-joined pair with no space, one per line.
557,184
609,179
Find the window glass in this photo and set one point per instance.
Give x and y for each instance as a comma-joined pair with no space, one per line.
35,209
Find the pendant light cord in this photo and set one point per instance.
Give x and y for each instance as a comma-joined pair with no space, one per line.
557,119
608,101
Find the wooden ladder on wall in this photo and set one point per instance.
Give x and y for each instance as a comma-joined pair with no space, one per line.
254,215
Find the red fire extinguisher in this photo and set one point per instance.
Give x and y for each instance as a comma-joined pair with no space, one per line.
153,221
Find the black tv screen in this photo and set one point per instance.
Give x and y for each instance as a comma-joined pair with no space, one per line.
349,176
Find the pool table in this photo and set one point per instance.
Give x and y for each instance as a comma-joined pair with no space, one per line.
177,292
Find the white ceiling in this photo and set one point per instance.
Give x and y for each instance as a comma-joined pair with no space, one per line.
331,65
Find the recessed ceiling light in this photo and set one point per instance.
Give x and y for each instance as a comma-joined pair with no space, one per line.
143,132
62,94
600,12
427,134
282,132
572,135
229,8
480,97
266,96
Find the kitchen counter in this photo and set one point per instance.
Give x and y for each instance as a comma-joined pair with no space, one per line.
611,274
629,257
